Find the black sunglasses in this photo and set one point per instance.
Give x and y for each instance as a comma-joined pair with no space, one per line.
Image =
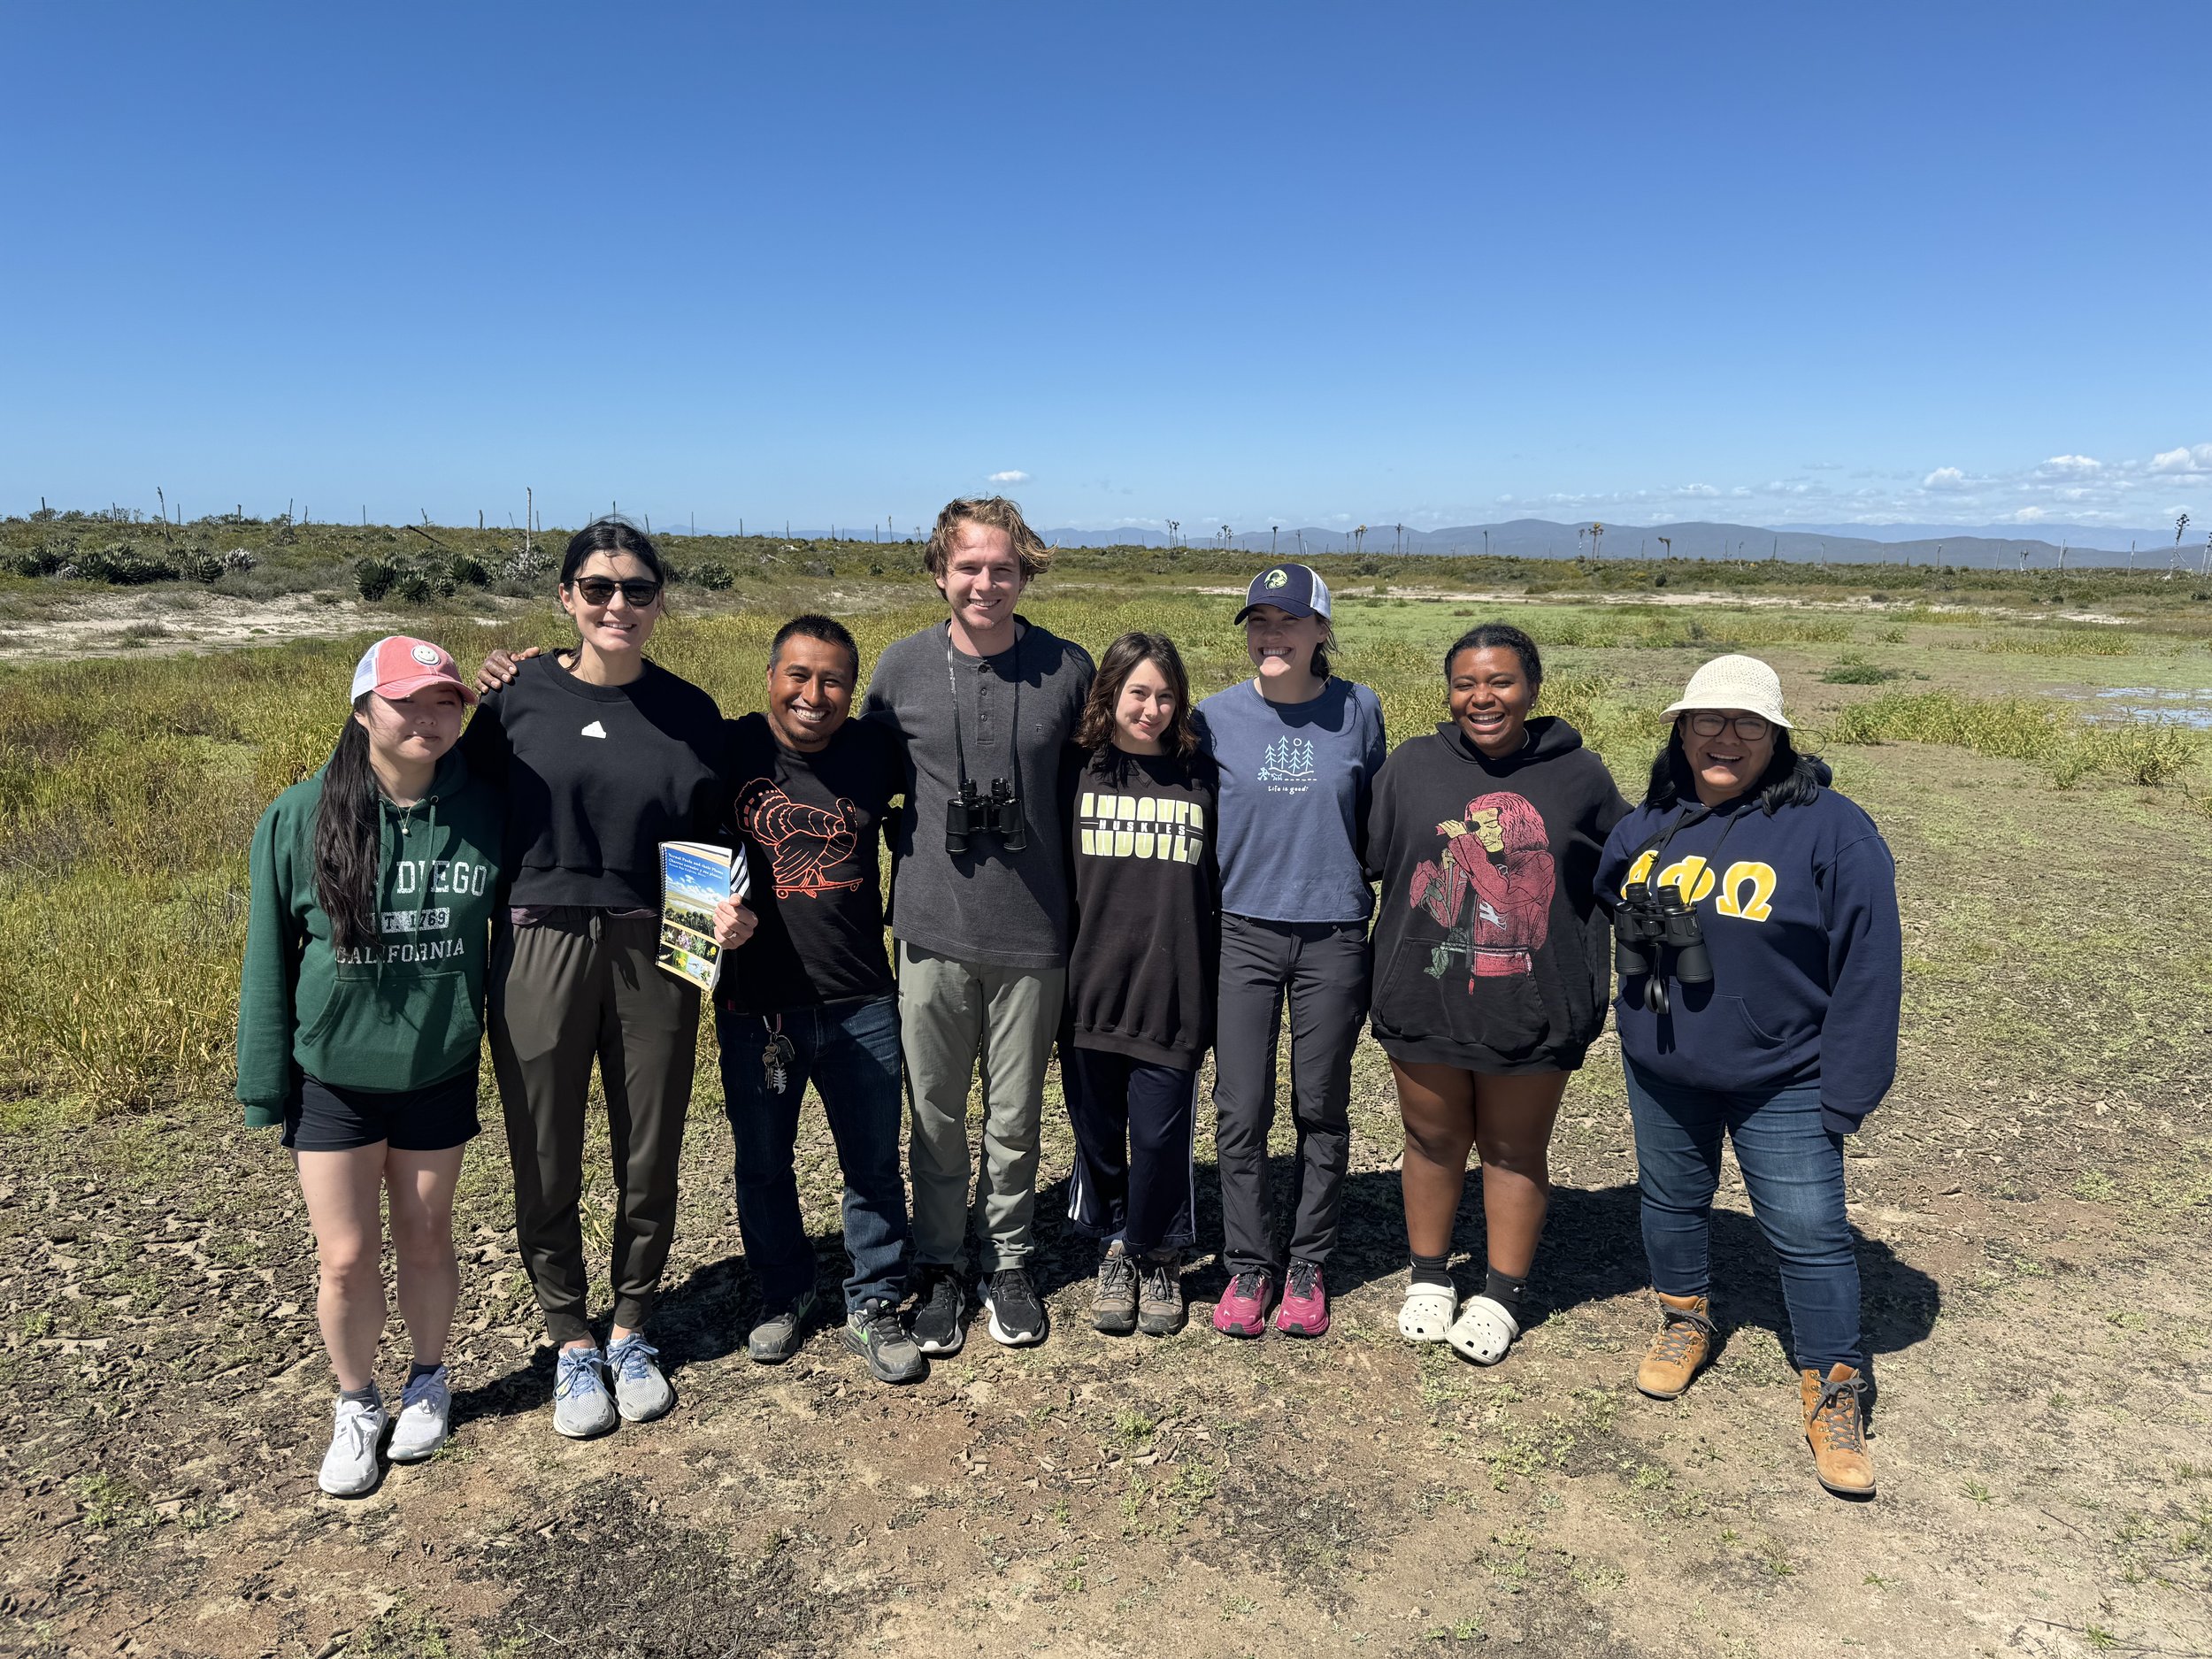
598,591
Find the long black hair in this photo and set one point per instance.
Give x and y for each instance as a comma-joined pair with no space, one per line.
349,839
1790,779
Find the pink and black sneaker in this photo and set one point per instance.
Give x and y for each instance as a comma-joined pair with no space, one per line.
1305,1309
1242,1309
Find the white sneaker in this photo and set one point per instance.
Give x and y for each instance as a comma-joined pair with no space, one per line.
350,1466
425,1412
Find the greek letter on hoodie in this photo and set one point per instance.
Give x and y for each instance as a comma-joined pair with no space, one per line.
1801,925
403,1012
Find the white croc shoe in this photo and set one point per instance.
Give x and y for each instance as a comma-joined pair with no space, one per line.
1426,1314
1484,1330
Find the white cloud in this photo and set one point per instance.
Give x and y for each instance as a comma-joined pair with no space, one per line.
1945,478
1008,477
1697,489
2026,515
2185,460
2071,466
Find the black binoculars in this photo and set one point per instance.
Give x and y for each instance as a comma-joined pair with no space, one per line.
1654,919
970,813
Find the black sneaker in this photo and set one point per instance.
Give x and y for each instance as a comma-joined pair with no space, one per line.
781,1331
940,1304
1114,1309
873,1331
1160,1310
1017,1315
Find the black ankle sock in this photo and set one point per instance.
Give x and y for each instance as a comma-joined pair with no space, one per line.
1505,1290
417,1371
367,1396
1431,1270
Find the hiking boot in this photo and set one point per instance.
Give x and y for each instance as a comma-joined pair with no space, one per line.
1114,1307
349,1468
1680,1347
1305,1309
1017,1314
1242,1309
1836,1430
873,1331
940,1305
641,1393
582,1407
782,1333
425,1415
1160,1293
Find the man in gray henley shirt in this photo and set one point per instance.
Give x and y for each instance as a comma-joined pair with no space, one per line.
982,935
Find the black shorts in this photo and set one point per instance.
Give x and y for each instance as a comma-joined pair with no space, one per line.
430,1119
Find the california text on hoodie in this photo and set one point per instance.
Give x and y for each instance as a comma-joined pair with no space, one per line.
1801,922
401,1013
1491,953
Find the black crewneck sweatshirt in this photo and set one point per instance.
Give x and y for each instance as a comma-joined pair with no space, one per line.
596,777
1491,953
1143,972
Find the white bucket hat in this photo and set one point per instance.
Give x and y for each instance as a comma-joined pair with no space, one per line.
1735,682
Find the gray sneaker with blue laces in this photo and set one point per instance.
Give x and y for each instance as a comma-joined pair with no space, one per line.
640,1392
582,1407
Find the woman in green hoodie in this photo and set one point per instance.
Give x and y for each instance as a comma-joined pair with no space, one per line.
359,1019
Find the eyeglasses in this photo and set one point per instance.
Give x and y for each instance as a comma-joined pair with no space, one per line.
599,590
1749,727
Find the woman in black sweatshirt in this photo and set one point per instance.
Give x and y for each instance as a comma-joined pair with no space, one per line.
604,755
1491,966
1141,980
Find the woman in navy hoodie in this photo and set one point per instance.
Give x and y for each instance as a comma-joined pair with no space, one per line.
1784,1037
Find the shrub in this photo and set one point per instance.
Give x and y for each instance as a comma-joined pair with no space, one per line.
374,577
2152,754
1851,668
712,574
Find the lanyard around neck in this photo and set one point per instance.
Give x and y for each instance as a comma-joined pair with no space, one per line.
1014,728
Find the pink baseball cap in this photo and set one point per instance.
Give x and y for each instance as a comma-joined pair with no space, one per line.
397,666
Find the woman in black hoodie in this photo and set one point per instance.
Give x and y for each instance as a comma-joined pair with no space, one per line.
1491,967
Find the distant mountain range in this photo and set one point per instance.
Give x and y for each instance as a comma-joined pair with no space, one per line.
1984,546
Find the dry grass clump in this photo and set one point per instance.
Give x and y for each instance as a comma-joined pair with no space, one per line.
2043,734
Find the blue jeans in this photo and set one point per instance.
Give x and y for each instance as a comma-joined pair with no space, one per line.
850,1053
1792,1169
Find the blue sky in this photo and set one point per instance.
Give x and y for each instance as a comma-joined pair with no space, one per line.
1231,263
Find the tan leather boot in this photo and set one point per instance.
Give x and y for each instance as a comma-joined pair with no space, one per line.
1836,1431
1679,1349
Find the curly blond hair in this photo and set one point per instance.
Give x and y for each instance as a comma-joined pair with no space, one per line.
992,512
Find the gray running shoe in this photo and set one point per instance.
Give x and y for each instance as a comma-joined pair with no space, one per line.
640,1392
782,1333
582,1405
350,1469
1160,1310
426,1416
940,1305
873,1331
1114,1307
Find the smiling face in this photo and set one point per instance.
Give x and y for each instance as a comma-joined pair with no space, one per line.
809,691
982,579
610,624
1491,696
414,731
1281,646
1725,764
1145,710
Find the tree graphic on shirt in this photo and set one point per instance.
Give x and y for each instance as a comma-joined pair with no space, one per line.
1287,760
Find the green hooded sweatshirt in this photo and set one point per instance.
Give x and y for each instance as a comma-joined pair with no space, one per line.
401,1013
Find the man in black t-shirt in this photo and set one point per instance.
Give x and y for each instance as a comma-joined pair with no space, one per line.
806,994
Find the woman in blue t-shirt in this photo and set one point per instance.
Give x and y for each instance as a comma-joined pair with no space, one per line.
1298,750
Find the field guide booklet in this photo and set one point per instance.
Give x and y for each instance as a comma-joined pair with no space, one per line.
696,876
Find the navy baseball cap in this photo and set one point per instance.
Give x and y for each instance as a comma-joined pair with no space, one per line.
1292,588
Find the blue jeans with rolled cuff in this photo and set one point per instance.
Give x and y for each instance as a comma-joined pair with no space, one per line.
849,1051
1792,1169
